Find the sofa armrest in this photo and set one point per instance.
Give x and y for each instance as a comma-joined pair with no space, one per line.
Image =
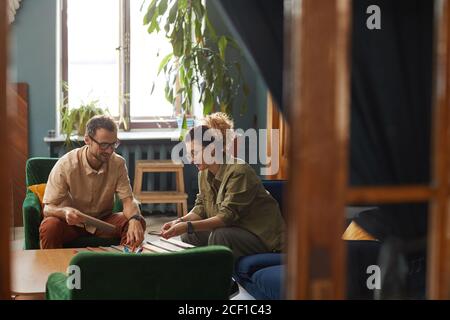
32,217
246,266
56,287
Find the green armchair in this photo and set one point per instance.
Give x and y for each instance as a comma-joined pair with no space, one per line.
37,172
193,274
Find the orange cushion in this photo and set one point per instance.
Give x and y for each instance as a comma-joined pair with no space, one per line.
355,232
38,190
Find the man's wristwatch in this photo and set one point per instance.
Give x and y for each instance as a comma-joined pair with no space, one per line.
190,228
138,217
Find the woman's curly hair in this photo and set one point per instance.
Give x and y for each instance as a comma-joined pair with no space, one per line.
223,122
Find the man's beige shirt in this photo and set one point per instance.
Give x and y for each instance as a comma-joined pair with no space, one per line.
72,182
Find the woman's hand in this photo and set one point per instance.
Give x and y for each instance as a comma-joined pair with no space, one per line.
174,230
169,224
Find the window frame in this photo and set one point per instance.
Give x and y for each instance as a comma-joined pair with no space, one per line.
146,122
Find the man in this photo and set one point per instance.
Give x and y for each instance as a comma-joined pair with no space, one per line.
84,181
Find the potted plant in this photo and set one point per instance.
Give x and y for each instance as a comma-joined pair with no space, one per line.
74,120
198,61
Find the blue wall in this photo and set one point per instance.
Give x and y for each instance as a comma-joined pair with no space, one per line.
33,60
256,115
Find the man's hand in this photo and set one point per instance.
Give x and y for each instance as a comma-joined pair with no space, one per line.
175,230
135,234
72,217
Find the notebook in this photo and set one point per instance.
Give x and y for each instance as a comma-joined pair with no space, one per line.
99,224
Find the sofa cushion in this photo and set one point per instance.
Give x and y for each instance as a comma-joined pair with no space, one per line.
38,190
275,187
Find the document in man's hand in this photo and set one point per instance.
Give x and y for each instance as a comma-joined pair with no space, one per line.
99,224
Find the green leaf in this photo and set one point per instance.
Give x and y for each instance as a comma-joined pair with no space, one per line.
154,24
233,43
183,4
164,62
208,103
180,91
173,12
222,44
150,12
189,73
198,31
184,124
187,63
211,30
198,9
167,27
162,7
142,5
202,90
153,88
168,93
203,64
178,43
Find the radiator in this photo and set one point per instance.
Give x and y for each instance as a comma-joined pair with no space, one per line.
145,150
151,182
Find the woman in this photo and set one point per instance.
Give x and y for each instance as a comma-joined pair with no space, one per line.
232,208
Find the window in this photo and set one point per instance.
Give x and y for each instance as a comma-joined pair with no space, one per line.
93,62
144,63
111,58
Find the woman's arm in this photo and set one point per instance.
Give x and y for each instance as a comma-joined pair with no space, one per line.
191,216
198,225
208,224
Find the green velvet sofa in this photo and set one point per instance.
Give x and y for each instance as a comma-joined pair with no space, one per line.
193,274
37,172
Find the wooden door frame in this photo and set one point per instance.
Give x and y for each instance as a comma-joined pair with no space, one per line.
318,99
319,121
5,184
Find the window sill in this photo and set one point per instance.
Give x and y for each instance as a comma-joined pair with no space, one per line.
133,135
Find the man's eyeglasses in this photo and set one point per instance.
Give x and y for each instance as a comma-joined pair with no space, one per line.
105,145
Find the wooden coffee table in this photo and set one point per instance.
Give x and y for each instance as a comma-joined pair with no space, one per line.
31,268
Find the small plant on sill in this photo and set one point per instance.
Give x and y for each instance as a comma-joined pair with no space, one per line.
74,120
